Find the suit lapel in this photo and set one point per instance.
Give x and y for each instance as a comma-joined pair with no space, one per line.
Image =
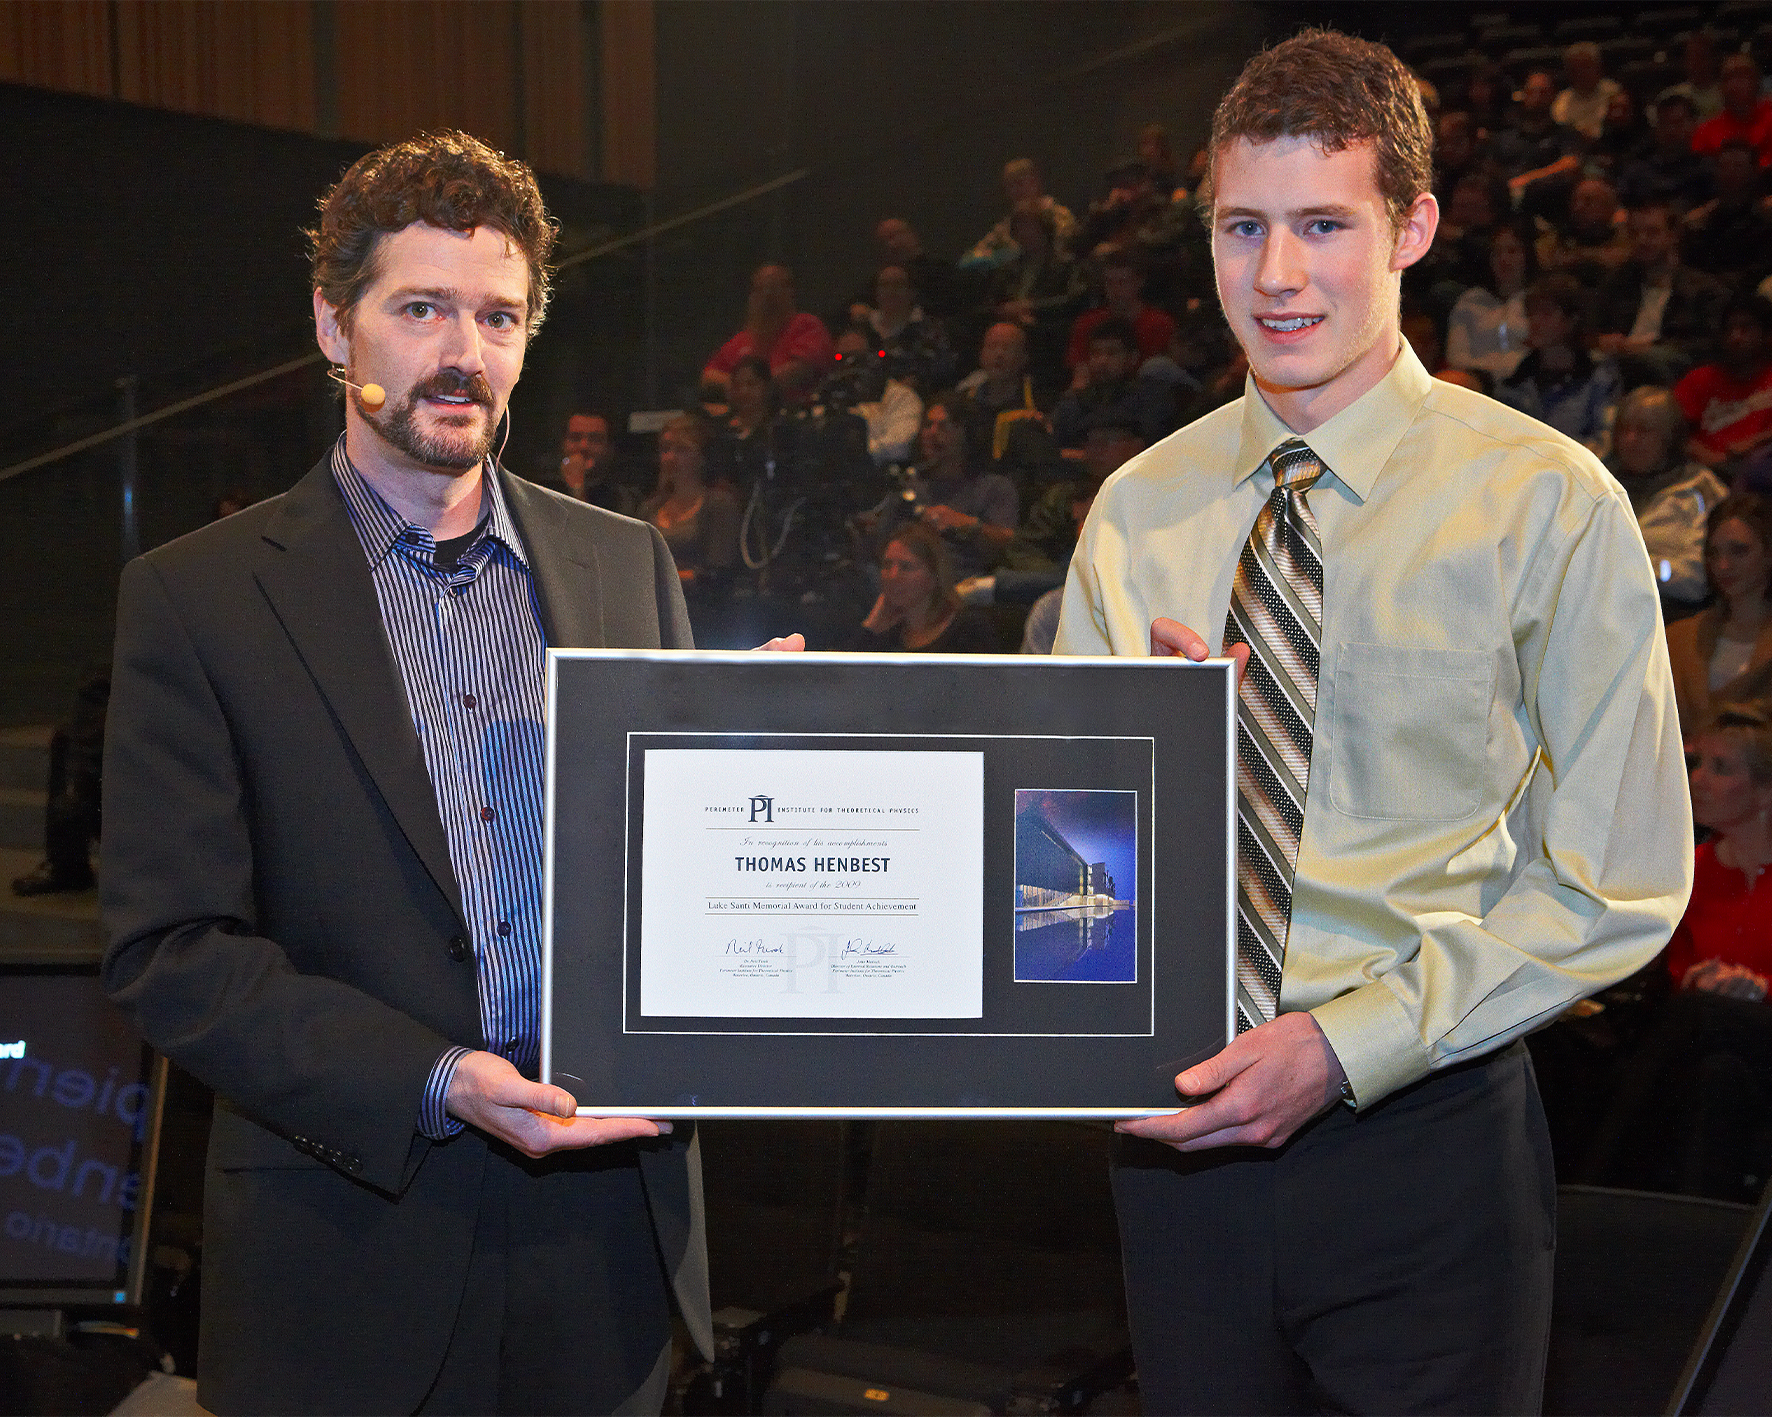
567,580
314,574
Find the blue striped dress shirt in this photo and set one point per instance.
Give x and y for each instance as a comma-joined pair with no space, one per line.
471,652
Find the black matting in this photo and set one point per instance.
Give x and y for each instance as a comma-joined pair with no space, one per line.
1157,728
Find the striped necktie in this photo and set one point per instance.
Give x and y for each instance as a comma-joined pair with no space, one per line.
1277,610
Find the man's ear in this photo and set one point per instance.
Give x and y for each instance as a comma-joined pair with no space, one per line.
329,332
1417,232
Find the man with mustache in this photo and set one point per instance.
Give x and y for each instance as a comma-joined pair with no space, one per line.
322,874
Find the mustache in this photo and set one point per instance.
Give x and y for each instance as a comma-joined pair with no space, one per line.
449,381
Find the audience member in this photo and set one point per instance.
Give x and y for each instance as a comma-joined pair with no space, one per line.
1457,152
1459,257
1700,86
1039,554
1038,288
975,510
1024,187
915,345
937,287
895,413
1729,403
1671,495
1720,653
1134,217
917,610
1122,291
1003,412
796,344
1746,115
1582,106
1113,389
1487,329
1537,155
751,438
1667,170
71,809
1727,236
1157,153
1423,333
1654,315
1559,382
1691,1114
587,464
1039,632
1723,944
1486,93
1589,244
1624,136
698,519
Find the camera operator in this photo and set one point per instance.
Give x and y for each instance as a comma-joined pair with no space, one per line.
862,386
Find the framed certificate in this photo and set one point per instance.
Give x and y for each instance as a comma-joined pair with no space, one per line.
885,885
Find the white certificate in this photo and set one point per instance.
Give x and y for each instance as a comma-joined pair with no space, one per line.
790,883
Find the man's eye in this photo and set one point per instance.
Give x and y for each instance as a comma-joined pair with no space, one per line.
420,309
1245,228
502,320
1323,226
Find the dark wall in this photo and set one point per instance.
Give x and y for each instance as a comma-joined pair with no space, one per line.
168,247
909,109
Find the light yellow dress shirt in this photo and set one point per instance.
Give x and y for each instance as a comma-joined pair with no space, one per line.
1497,820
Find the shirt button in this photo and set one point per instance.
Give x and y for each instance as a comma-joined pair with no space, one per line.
458,948
488,813
469,701
504,928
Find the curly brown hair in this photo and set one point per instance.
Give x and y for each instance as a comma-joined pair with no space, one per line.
448,179
1337,91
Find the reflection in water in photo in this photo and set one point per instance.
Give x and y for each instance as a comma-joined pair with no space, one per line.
1092,943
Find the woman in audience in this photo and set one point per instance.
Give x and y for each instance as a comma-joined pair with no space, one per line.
917,609
699,520
1690,1113
1488,326
1724,942
1722,652
1671,497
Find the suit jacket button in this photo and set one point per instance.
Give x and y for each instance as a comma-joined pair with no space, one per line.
458,948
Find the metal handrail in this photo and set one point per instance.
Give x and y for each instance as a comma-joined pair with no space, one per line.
289,366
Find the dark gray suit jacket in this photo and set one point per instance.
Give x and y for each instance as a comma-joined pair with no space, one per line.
284,922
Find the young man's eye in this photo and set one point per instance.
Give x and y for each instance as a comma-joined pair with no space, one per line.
1323,226
502,320
420,309
1245,228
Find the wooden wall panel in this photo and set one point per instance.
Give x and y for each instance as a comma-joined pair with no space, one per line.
57,44
629,92
250,62
555,132
408,65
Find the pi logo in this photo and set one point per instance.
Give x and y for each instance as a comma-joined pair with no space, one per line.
763,809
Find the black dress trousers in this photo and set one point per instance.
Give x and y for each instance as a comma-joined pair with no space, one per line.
1398,1260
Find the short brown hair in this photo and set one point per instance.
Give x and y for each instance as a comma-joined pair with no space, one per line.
450,180
1337,91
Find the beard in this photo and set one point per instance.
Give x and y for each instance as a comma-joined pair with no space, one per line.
453,449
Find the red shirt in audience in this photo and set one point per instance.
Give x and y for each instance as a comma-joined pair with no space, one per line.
1730,918
804,338
1724,410
1711,134
1153,327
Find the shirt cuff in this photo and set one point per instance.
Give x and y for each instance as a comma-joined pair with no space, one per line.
433,1121
1375,1039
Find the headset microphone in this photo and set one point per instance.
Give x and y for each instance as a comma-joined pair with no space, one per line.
373,395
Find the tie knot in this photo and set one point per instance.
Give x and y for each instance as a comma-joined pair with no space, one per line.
1296,467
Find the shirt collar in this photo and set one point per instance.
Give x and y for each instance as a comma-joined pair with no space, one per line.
1356,443
380,528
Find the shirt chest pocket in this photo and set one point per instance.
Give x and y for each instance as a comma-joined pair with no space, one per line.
1408,732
